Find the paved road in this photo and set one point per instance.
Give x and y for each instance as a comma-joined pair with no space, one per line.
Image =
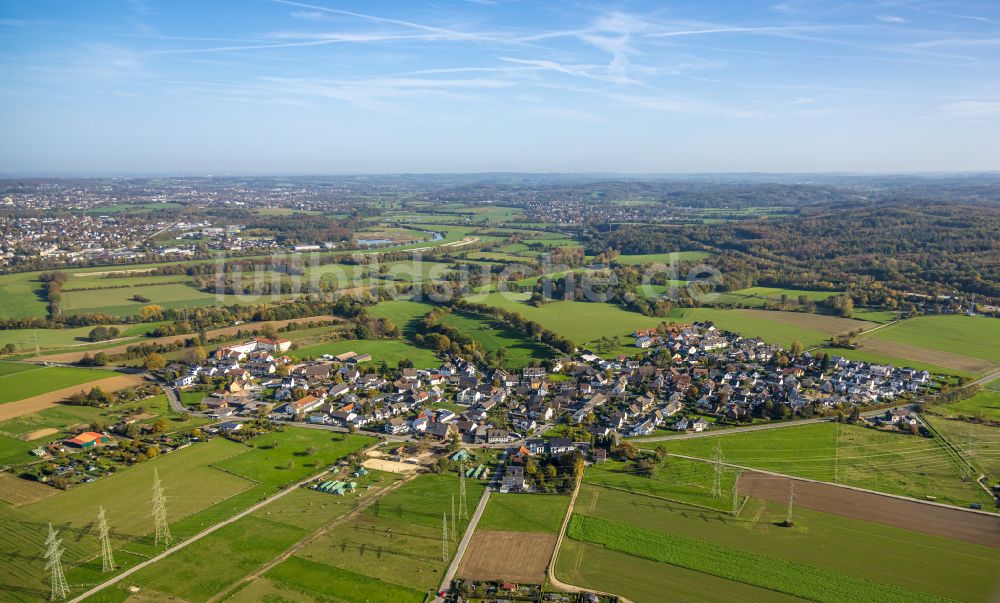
985,380
195,538
174,399
463,545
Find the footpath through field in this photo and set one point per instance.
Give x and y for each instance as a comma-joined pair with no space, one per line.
463,545
195,538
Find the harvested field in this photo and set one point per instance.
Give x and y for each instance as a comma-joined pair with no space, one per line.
35,404
969,526
40,433
17,491
389,466
905,351
70,357
511,556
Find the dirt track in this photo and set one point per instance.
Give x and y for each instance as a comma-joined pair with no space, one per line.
937,520
34,404
70,357
511,556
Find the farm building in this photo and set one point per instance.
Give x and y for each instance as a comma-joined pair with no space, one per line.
479,472
337,487
88,439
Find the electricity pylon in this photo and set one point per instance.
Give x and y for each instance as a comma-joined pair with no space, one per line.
444,538
160,512
107,558
463,509
791,502
53,562
717,482
454,523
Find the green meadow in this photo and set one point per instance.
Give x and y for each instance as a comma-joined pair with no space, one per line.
837,549
890,462
20,383
524,513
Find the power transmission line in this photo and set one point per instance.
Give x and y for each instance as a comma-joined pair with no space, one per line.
717,482
463,506
59,589
454,527
107,557
160,512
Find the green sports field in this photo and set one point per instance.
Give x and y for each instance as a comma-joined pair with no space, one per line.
888,462
20,381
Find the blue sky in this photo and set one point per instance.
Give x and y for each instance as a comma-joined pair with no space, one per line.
280,86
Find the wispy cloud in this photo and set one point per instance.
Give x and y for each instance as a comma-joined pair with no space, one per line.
972,108
892,19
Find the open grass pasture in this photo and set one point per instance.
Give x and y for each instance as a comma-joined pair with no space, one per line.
776,327
524,513
397,540
389,350
978,442
984,405
967,343
581,322
887,462
204,484
519,351
20,383
674,479
838,550
791,294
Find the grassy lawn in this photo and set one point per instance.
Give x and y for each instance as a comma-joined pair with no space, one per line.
35,380
519,350
888,462
663,258
389,350
979,443
644,581
919,562
524,513
20,296
198,572
339,584
398,539
404,313
581,322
